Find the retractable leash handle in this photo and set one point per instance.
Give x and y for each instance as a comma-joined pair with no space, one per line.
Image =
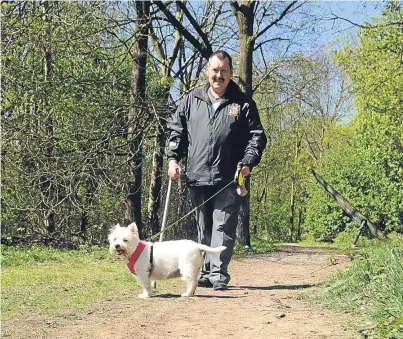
164,219
240,181
238,174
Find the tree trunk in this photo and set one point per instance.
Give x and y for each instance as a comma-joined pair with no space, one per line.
165,64
299,229
47,186
292,212
92,185
137,112
133,199
293,190
245,19
156,182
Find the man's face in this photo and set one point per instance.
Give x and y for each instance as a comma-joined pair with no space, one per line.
219,74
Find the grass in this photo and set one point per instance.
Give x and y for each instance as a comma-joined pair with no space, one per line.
372,285
19,256
43,281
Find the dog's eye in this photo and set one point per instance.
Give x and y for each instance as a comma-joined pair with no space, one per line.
124,240
115,239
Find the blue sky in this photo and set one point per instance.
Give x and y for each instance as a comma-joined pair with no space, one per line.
328,30
357,12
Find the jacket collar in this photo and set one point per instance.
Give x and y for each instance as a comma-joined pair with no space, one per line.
232,91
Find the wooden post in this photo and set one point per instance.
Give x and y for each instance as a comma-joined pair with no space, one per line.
363,224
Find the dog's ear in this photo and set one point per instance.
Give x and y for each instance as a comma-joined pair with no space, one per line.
133,228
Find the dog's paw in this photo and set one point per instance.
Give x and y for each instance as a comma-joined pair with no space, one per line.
143,295
184,295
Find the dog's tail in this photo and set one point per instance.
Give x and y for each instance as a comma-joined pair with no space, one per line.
208,249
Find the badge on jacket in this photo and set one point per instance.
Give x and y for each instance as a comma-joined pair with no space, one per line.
234,110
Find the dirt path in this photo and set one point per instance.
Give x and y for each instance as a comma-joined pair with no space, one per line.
262,302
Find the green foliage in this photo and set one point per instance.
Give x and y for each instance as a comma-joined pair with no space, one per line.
66,80
345,239
372,285
375,67
365,162
305,101
324,217
281,173
65,149
64,115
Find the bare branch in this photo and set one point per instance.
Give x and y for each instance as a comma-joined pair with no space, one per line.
194,23
269,40
281,16
205,51
336,17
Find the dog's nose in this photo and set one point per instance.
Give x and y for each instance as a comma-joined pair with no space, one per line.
117,246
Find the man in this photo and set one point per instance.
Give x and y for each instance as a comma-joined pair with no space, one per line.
214,129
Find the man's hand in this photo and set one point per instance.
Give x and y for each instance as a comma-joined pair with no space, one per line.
174,170
245,171
241,190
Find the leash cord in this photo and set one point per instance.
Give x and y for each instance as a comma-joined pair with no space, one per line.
167,228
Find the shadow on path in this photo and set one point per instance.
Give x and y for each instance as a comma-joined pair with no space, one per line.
271,288
168,296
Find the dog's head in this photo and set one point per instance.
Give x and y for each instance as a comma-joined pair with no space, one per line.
123,240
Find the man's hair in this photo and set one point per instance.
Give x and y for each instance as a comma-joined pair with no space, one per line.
220,54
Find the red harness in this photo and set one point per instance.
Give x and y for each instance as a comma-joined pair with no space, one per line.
133,258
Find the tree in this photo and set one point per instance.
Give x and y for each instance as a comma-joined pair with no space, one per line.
138,117
305,97
365,163
160,83
245,13
376,71
64,89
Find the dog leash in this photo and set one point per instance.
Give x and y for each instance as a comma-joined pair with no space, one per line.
167,228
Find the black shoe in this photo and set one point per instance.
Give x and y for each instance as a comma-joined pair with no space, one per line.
219,286
204,282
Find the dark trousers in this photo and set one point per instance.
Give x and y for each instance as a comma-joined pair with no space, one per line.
216,224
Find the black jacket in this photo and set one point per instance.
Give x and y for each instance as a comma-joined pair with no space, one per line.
214,143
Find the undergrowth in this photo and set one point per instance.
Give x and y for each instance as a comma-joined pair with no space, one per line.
372,285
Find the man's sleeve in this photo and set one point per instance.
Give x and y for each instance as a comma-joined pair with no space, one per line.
177,133
256,139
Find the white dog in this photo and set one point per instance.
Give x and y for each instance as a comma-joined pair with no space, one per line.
161,260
